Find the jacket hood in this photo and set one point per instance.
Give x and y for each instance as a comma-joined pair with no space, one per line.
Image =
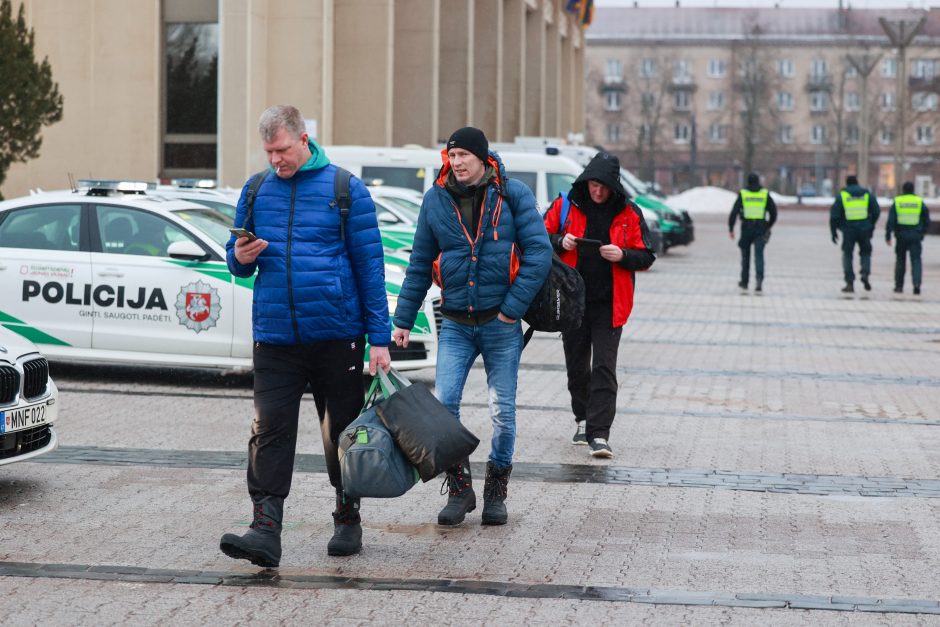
493,161
856,190
604,168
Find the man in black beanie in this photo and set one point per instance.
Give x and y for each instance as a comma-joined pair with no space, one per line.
758,214
854,212
476,229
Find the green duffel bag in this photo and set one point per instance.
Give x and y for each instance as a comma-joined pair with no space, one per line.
371,463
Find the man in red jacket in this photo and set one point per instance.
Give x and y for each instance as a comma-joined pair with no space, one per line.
604,236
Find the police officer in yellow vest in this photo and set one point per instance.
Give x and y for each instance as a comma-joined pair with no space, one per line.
758,213
855,213
909,219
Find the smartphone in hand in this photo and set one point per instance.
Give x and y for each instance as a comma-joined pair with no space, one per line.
588,243
243,233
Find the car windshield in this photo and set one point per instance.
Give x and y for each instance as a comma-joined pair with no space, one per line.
634,185
222,207
558,183
408,208
209,221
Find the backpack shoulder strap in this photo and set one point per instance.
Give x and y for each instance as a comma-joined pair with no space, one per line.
565,208
343,197
253,188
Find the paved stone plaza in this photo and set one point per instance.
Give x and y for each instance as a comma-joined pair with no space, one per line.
777,462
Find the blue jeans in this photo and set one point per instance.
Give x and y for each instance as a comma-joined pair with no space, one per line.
501,347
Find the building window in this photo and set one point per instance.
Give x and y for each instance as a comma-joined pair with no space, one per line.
682,71
717,133
613,133
645,132
818,68
716,101
786,68
850,71
851,134
889,68
887,101
647,100
785,134
818,101
853,102
614,71
924,68
924,101
648,68
683,100
190,90
717,68
924,135
887,135
682,133
817,134
784,101
612,100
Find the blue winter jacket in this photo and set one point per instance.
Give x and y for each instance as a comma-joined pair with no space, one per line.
310,287
502,266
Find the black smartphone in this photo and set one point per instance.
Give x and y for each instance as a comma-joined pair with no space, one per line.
243,233
588,243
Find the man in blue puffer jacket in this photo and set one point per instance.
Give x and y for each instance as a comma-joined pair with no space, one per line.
316,298
481,239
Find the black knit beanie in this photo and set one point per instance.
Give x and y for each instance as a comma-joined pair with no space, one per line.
472,140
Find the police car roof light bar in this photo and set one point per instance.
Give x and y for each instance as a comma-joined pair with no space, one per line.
103,188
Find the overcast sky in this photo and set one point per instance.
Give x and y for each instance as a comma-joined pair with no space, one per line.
817,4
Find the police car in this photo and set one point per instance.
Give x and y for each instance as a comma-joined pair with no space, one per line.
28,408
110,273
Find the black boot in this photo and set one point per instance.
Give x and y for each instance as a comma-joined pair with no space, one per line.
848,289
262,544
347,530
461,500
760,285
494,494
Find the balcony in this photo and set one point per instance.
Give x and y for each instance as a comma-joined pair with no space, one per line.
819,82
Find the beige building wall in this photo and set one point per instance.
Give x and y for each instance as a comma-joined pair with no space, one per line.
372,72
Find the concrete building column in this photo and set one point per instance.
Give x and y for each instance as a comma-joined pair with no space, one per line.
363,72
552,87
416,72
488,67
513,69
456,65
533,94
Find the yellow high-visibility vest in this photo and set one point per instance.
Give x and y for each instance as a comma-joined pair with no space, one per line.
754,204
908,208
856,208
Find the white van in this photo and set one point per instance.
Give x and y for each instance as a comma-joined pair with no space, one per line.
417,168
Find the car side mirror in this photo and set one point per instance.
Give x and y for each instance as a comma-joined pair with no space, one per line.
387,217
186,250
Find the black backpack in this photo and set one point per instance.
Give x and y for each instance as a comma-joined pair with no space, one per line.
559,304
340,190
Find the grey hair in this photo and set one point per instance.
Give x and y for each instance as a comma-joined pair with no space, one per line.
280,117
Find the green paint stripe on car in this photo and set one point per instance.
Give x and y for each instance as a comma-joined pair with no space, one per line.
34,335
5,317
216,271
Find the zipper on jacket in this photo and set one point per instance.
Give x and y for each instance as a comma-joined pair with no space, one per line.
290,239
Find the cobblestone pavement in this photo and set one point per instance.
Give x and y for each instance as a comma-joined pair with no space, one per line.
777,461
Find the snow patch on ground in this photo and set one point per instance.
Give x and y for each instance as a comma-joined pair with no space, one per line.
702,200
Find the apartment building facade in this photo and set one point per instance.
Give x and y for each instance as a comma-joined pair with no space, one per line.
690,96
173,88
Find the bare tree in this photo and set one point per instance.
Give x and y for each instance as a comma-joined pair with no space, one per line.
754,86
649,100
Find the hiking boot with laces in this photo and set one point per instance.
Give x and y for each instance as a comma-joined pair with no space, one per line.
600,448
262,544
458,485
495,490
579,435
347,527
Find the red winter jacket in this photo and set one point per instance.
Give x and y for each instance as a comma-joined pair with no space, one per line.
628,231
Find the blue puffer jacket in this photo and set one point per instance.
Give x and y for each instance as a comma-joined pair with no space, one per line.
502,266
309,286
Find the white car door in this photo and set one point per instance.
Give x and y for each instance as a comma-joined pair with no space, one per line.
148,301
45,275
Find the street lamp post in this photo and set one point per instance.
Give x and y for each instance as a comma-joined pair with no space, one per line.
900,33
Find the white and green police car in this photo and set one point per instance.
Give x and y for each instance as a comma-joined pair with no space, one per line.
110,273
28,408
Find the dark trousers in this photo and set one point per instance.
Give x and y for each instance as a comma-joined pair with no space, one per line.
752,237
850,237
591,362
333,370
907,244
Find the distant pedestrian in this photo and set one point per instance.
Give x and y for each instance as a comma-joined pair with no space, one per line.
909,219
605,237
758,214
855,212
